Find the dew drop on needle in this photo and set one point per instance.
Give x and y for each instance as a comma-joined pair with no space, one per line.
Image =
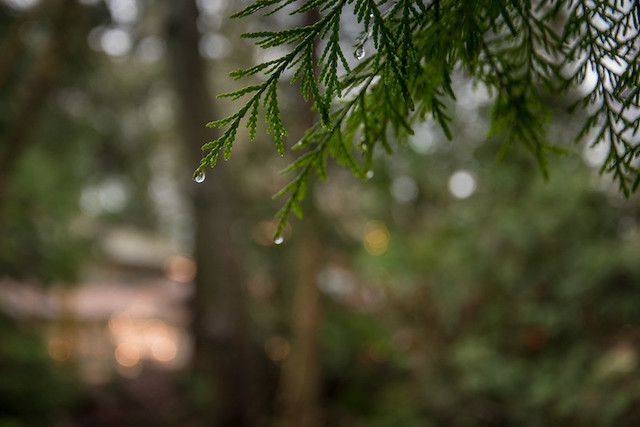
200,177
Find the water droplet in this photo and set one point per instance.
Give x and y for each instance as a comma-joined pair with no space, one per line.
278,240
359,52
200,177
369,174
370,30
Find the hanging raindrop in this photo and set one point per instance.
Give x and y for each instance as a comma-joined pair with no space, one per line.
359,52
200,177
369,174
278,240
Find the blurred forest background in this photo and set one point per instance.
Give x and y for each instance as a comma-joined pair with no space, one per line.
447,290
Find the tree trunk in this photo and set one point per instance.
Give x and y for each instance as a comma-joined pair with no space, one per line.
222,354
301,374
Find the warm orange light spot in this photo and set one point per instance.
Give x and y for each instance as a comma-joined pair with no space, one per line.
181,268
127,354
164,349
277,348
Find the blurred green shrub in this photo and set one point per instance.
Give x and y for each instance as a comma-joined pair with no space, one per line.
32,391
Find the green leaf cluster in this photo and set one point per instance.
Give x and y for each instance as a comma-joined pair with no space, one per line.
522,51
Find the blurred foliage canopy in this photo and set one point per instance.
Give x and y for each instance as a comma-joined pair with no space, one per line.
521,51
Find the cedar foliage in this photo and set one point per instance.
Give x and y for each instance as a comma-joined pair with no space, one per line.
521,50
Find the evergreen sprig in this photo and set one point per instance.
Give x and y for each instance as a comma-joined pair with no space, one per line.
603,40
521,50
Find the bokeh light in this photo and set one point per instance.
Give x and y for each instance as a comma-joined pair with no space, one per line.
163,349
404,189
376,237
116,42
462,184
181,268
127,354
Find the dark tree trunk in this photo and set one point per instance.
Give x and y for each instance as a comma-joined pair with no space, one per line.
222,355
301,374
